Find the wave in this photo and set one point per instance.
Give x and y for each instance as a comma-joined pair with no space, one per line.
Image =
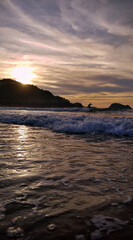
71,123
84,109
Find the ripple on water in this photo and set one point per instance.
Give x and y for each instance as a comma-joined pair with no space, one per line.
56,173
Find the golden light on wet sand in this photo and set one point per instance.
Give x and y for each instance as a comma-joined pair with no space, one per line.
23,74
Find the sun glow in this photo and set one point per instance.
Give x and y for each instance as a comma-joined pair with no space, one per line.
23,74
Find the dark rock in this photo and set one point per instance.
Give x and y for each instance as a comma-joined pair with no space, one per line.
77,105
112,107
118,106
89,105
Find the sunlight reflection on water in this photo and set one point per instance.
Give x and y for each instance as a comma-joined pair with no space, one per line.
22,132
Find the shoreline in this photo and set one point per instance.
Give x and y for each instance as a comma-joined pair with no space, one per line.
79,225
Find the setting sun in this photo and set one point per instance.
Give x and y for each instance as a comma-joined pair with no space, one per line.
23,74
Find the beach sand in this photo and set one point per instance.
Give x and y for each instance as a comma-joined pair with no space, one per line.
106,221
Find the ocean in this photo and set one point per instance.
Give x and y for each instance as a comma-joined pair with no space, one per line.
65,174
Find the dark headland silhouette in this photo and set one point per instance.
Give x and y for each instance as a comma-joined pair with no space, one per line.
16,94
112,107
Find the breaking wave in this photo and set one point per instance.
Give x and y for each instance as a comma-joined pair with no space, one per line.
71,123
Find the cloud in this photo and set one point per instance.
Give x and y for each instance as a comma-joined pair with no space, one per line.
75,47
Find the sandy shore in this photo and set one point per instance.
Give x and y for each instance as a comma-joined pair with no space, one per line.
107,222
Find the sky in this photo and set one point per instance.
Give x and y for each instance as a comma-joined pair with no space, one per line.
78,49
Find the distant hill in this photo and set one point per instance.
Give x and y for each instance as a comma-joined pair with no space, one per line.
13,93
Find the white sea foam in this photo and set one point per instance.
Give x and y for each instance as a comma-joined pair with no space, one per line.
128,200
70,123
106,225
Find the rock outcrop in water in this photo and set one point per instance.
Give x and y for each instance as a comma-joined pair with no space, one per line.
13,93
118,106
112,107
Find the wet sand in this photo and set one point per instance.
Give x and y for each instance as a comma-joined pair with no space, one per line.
78,225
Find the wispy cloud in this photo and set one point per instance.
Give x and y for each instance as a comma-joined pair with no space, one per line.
77,48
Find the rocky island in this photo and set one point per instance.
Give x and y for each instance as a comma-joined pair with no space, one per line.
112,107
118,106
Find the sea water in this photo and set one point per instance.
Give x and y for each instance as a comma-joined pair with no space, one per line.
55,161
